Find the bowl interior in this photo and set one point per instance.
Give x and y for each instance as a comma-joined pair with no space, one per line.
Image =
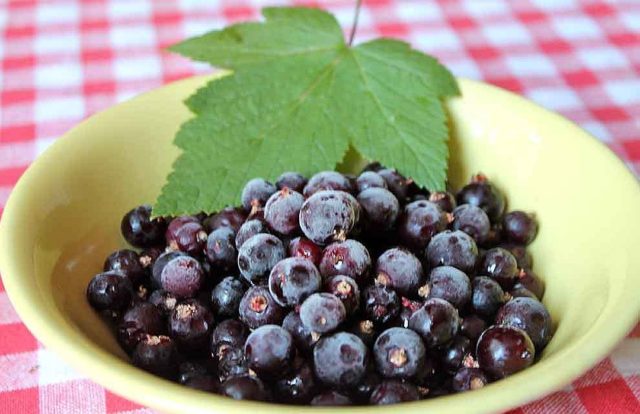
63,219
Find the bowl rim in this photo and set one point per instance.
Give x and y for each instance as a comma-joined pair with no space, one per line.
125,380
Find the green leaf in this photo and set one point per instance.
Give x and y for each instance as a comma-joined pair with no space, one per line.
297,100
286,32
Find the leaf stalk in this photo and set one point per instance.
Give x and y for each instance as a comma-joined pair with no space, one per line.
354,26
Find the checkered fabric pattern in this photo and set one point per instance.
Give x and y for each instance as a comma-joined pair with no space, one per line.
63,60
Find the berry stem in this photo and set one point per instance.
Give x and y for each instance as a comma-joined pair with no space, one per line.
354,26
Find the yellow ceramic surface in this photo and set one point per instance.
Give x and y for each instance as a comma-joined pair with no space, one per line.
63,219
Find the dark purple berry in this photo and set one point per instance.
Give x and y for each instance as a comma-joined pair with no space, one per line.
211,276
228,217
473,221
393,392
182,276
270,351
418,197
381,304
349,258
374,166
416,192
201,216
158,267
156,354
207,383
186,234
430,393
221,250
346,289
303,247
529,280
450,284
340,360
487,296
481,193
400,270
256,193
203,297
199,374
226,297
443,199
432,375
519,227
399,353
437,321
472,326
282,211
140,230
110,291
231,362
494,237
230,333
419,222
352,182
329,216
189,370
291,180
244,387
249,229
327,180
258,308
454,353
531,316
408,307
126,262
523,258
190,325
297,387
453,248
396,183
362,392
504,350
142,319
500,265
468,379
292,280
330,399
303,337
370,179
322,312
164,301
520,291
380,210
258,255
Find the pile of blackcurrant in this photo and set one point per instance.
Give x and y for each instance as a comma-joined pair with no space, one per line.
333,291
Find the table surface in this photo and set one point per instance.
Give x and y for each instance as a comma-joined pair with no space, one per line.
62,61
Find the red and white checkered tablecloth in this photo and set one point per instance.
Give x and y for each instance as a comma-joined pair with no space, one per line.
63,60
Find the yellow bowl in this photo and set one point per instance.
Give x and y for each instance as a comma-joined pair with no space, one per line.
63,218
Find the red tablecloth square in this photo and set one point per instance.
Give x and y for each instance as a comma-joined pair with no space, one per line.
20,401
